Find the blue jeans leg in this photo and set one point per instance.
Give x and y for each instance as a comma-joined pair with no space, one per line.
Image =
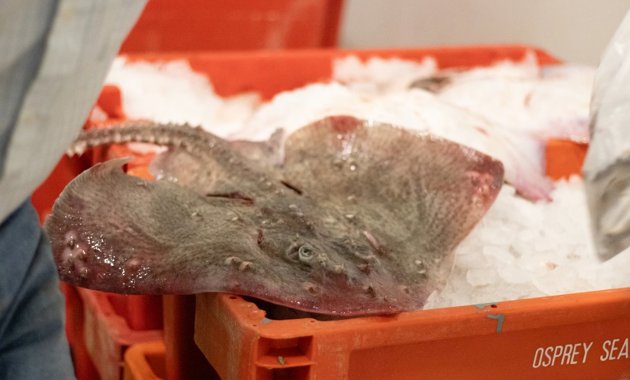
33,344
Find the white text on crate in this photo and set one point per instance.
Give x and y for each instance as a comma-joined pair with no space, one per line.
566,354
614,349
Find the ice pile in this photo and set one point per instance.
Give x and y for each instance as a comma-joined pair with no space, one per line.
172,92
550,102
520,249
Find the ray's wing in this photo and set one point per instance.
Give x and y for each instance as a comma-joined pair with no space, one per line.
412,197
120,233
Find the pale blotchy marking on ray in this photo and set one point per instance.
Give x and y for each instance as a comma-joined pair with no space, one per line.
357,220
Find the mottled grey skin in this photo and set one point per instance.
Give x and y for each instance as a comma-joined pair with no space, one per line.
359,219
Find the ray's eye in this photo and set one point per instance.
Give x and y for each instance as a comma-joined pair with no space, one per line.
300,252
305,253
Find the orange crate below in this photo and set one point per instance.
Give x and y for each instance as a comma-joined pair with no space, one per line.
83,367
140,312
107,335
184,360
73,311
524,339
145,361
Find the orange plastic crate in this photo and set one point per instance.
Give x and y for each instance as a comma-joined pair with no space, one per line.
145,361
111,325
83,367
139,312
189,25
107,335
183,359
567,336
564,158
541,338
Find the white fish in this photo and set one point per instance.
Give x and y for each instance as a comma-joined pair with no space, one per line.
607,166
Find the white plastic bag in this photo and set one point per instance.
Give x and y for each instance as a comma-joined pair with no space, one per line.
607,167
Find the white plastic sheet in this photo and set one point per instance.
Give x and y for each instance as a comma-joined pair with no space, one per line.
607,167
